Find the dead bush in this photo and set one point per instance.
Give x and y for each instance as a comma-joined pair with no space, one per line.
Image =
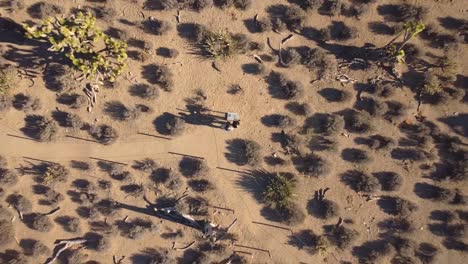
156,26
26,103
360,181
108,14
193,168
43,10
311,165
8,178
3,162
105,134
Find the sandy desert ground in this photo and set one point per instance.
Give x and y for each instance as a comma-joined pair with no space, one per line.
391,153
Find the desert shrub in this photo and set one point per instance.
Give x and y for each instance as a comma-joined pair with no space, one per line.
325,124
340,236
8,178
322,208
290,56
107,207
254,68
396,206
73,121
396,112
51,198
44,10
309,5
55,173
396,225
294,18
7,232
434,193
26,103
40,223
356,10
384,90
5,103
389,181
427,253
239,4
373,251
311,165
321,143
156,26
167,52
360,181
340,32
97,242
278,24
310,242
193,206
201,185
193,168
84,185
297,108
278,189
160,75
87,212
41,128
61,78
105,134
252,152
358,122
144,91
108,14
335,95
20,202
284,88
264,25
281,121
355,155
147,165
15,5
222,44
9,77
169,178
377,142
133,190
333,7
407,12
319,61
120,112
292,214
70,224
75,101
371,106
34,248
175,126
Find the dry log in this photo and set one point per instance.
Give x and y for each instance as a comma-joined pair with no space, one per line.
62,245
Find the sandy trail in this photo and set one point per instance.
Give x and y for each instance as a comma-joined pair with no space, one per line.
205,142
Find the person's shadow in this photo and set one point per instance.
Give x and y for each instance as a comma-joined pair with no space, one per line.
197,115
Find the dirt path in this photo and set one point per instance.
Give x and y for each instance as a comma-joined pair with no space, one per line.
203,142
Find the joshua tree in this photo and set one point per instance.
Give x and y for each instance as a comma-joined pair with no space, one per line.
395,52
